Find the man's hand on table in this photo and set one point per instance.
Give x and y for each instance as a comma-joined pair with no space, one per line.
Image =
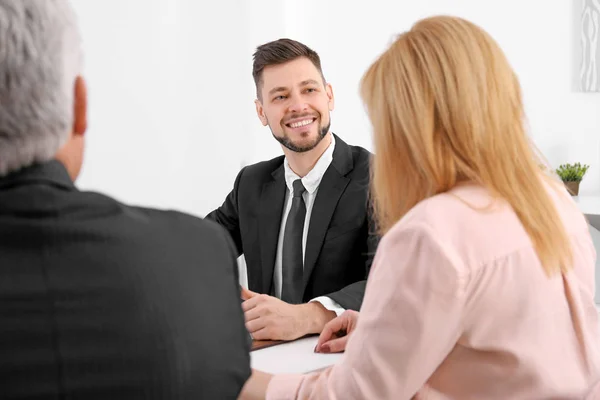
268,318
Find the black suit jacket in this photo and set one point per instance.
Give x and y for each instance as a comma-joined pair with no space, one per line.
341,238
99,300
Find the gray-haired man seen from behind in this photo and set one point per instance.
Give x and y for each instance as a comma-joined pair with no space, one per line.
98,300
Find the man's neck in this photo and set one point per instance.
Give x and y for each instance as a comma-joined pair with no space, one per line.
303,163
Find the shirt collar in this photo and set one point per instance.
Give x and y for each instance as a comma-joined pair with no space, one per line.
51,172
312,180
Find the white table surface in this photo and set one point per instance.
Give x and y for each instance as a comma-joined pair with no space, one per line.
588,204
297,357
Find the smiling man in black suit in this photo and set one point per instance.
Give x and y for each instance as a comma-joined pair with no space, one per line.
302,220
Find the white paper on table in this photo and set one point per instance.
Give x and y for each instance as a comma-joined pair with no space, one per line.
297,357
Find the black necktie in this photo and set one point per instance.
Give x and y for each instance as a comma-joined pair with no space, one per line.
292,262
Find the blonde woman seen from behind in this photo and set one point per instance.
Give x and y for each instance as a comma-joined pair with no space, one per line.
483,284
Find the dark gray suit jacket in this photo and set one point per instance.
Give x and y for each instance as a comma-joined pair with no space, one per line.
99,300
341,238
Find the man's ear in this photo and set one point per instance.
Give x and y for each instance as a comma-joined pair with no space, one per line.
261,112
329,91
79,107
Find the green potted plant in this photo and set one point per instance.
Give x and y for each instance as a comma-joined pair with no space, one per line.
571,175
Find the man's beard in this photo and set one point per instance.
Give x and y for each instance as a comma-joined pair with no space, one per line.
287,142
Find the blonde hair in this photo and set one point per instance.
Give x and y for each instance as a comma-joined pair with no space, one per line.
446,107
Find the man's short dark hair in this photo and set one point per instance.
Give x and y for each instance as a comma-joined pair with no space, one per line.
278,52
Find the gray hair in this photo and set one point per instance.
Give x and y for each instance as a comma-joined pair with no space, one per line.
40,58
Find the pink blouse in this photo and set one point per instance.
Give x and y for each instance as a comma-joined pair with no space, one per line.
458,306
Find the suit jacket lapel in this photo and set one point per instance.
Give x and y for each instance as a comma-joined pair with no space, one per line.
330,190
270,212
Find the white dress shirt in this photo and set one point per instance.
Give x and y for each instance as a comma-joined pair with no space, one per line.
311,182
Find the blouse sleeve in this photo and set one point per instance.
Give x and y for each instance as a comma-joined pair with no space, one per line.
410,320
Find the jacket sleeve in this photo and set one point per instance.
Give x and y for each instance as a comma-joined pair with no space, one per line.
227,215
351,296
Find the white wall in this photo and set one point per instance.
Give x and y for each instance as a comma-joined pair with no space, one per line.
165,107
171,93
